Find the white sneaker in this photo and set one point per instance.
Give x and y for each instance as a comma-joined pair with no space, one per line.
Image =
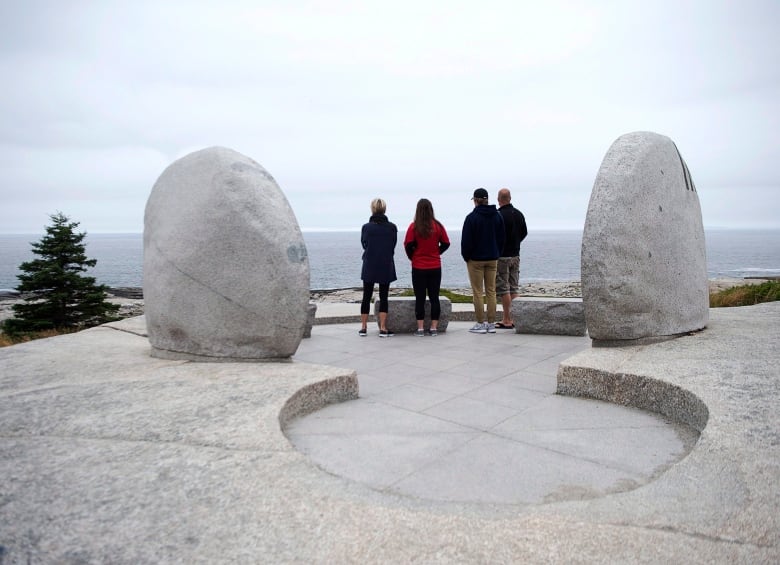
479,328
491,328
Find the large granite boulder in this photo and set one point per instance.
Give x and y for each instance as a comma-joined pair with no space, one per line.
644,269
226,273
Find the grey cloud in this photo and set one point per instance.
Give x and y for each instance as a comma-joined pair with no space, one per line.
343,101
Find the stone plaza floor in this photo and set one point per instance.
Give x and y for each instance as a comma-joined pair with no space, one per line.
474,418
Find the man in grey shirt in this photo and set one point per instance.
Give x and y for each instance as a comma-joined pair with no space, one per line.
508,269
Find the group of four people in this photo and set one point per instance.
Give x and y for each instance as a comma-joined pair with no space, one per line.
490,245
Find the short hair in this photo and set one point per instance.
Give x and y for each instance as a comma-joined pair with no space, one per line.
504,195
378,206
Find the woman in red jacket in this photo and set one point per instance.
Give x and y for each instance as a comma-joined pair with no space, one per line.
425,241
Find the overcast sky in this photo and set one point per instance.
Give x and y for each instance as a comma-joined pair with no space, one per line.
345,101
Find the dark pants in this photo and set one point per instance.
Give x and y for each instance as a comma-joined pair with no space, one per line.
426,280
368,293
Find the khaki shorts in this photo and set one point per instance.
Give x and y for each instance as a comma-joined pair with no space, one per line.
508,276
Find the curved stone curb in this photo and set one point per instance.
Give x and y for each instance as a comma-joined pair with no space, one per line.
314,396
722,381
636,391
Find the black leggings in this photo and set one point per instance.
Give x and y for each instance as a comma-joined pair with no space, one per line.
426,280
368,292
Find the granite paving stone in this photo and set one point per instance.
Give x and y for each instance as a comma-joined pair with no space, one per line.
108,455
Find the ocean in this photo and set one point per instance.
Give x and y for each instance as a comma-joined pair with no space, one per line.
334,257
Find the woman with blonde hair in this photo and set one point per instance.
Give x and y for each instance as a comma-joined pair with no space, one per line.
425,241
378,238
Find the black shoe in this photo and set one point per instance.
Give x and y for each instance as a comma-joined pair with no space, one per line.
362,332
386,333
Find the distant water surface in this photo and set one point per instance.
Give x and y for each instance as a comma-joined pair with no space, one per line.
335,257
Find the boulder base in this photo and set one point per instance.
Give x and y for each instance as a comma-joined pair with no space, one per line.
402,319
553,316
311,314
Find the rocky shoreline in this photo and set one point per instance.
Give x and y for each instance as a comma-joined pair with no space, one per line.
130,299
570,289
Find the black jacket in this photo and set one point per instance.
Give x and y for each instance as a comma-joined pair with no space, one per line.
482,237
514,228
378,238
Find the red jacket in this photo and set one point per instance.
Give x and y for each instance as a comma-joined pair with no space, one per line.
427,252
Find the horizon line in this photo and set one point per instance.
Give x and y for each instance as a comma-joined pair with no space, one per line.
357,229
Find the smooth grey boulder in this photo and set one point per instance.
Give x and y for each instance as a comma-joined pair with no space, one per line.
644,269
550,316
401,317
226,272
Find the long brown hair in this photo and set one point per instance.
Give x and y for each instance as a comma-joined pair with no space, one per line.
424,218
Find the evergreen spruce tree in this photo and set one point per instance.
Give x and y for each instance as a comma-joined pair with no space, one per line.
56,295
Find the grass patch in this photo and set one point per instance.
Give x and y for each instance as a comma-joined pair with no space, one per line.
454,297
746,295
7,340
743,295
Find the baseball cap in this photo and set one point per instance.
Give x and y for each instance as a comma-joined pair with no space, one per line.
480,193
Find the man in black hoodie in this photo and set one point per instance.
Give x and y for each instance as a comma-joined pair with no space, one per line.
480,245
